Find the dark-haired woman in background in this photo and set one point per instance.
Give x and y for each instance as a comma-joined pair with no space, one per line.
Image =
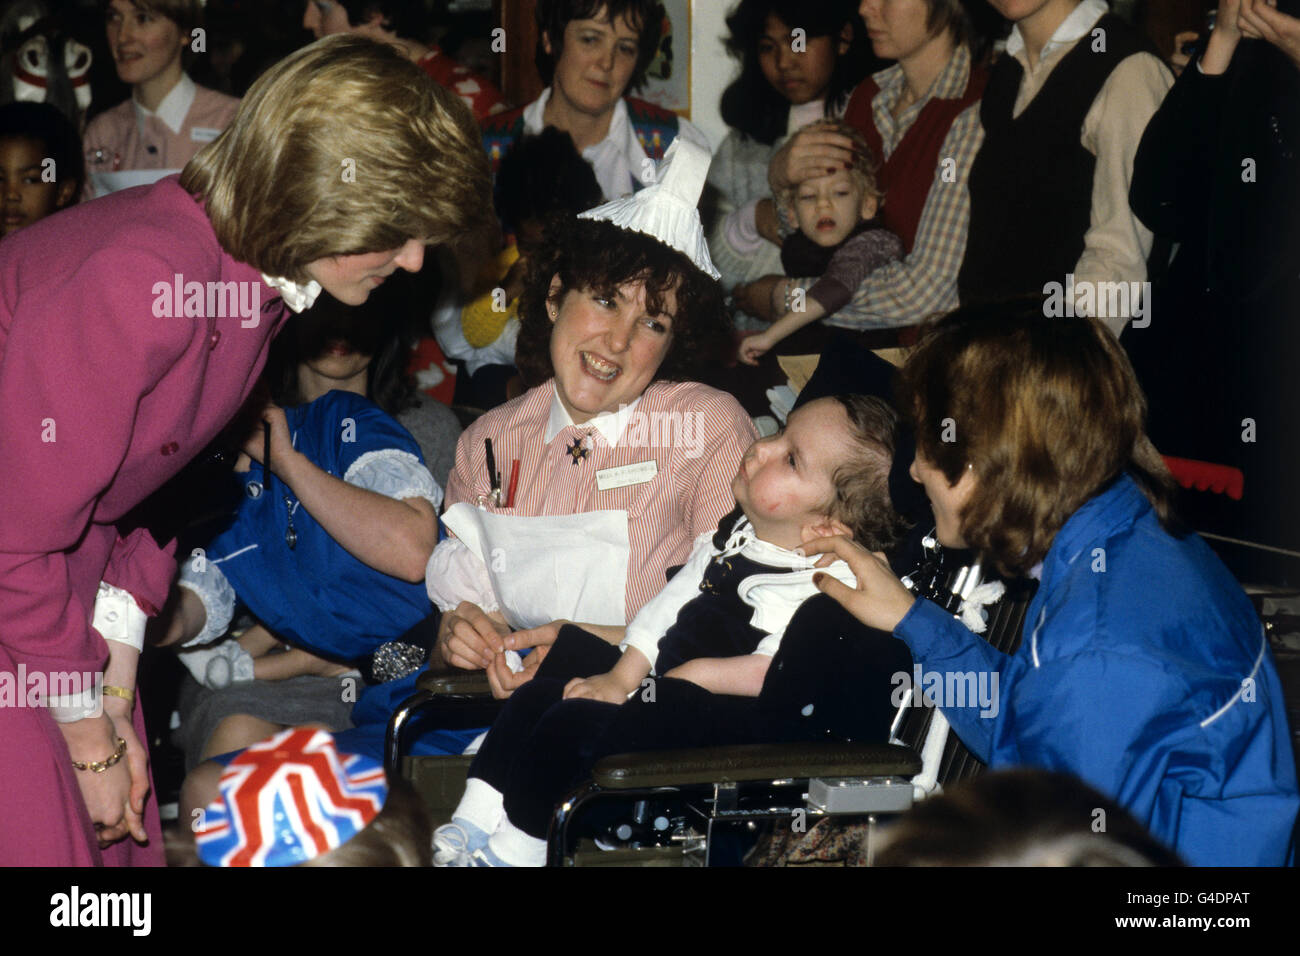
1143,669
590,53
787,80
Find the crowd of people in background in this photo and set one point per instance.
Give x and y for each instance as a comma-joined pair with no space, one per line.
323,365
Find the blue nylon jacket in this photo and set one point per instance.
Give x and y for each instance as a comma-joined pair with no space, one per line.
1144,670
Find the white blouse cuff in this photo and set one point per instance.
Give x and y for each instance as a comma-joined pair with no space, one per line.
394,474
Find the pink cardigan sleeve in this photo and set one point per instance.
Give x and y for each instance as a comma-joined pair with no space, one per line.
79,356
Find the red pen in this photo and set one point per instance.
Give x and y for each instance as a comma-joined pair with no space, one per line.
514,480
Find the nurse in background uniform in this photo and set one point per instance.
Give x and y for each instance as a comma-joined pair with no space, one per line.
169,117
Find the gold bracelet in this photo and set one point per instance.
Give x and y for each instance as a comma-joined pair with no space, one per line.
122,692
99,766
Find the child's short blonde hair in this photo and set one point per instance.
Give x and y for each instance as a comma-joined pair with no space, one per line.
862,173
343,147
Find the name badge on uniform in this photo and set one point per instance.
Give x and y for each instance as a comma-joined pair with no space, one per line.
635,474
204,134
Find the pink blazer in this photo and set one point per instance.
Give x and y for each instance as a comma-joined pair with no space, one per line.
103,397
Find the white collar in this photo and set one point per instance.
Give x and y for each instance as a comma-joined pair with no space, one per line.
174,107
611,425
1079,23
535,120
297,297
614,159
743,540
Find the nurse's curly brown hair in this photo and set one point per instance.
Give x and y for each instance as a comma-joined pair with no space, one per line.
594,255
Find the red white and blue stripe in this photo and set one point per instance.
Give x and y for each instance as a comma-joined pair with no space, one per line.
288,799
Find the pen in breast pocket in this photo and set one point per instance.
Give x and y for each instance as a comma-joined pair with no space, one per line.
494,477
514,482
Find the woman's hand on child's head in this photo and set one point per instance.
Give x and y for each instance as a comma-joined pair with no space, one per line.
601,687
468,638
813,151
754,347
880,600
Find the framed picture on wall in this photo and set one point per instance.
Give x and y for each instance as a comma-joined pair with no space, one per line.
668,80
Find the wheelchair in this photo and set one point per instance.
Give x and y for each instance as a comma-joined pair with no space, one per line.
707,806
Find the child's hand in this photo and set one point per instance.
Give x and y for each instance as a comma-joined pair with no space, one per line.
753,347
601,687
281,440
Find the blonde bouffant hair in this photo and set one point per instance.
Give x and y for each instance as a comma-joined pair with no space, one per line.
343,147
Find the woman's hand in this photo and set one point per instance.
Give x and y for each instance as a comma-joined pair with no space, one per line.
468,638
137,763
604,687
501,678
755,298
107,795
766,221
811,152
1223,38
753,347
1261,18
880,600
281,441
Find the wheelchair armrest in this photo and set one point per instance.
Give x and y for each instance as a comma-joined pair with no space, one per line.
668,768
455,683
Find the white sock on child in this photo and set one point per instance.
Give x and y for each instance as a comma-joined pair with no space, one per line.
514,847
482,806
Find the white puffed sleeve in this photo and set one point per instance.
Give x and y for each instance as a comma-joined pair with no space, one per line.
205,579
394,474
455,574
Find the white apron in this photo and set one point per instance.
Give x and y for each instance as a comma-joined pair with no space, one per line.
550,567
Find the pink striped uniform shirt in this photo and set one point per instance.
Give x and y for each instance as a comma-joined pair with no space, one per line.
696,436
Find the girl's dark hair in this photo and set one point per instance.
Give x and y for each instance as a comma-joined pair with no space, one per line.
541,176
409,19
751,104
1046,411
594,255
382,327
553,16
55,133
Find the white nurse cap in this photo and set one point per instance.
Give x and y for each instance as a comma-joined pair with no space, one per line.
666,209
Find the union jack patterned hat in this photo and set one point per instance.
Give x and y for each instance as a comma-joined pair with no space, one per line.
288,799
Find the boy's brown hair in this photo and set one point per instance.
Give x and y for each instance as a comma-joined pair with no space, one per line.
342,147
861,484
1045,411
